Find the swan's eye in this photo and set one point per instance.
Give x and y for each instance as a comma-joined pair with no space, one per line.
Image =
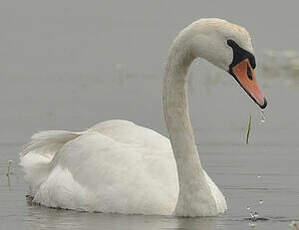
240,54
230,42
249,73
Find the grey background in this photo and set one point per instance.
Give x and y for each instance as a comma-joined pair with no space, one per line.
69,64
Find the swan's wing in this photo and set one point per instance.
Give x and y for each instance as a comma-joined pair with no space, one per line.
95,172
116,166
47,143
128,132
38,153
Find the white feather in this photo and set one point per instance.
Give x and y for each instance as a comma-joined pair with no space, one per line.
117,166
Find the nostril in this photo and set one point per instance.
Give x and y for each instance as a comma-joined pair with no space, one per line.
249,73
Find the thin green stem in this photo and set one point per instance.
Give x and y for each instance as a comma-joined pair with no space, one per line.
248,130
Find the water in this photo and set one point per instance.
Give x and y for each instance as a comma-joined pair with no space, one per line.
263,117
261,201
264,171
71,66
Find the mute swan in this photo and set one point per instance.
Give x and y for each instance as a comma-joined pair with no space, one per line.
117,166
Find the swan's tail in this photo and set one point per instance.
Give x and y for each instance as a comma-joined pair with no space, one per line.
38,153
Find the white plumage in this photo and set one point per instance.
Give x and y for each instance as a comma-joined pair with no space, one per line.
115,166
118,166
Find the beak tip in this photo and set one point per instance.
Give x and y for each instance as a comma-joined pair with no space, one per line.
263,106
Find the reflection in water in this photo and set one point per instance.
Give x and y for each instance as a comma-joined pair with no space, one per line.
37,217
9,173
9,168
8,182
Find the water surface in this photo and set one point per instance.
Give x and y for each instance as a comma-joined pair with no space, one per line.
68,65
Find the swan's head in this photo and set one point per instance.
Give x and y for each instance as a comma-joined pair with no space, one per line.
229,47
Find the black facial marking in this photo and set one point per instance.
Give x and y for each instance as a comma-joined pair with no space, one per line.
239,55
249,73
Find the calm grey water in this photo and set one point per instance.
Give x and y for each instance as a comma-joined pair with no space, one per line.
69,64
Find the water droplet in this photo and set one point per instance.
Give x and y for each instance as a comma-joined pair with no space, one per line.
259,176
261,201
255,215
263,117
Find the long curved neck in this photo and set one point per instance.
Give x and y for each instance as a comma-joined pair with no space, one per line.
195,197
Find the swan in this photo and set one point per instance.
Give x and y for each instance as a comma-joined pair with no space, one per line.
117,166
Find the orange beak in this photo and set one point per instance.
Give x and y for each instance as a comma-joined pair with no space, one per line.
245,76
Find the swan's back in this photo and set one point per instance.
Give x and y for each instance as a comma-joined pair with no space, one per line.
129,133
105,169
